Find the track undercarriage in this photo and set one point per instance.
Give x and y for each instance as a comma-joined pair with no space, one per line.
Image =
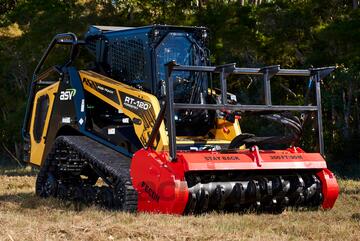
71,173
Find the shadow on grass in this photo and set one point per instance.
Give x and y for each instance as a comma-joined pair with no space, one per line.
28,200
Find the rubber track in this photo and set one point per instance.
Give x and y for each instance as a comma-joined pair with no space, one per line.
108,162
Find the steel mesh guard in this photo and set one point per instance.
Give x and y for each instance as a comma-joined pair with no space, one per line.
127,60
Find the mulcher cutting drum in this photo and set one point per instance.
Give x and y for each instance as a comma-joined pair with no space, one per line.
234,182
143,128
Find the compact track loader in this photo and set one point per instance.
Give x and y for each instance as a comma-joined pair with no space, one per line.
150,126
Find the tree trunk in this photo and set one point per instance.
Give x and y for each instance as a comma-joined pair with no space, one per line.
355,4
357,114
347,96
18,150
333,119
11,155
130,16
4,114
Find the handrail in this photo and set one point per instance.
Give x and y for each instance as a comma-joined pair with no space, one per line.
47,72
315,74
62,39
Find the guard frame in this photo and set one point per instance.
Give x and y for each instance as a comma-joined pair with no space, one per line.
168,107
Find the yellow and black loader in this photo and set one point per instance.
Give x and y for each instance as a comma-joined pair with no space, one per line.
149,120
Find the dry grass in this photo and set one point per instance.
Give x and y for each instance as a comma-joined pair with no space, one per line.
26,217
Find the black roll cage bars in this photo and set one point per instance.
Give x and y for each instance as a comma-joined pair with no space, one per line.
168,106
59,39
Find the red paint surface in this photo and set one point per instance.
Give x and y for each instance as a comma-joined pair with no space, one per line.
162,187
330,188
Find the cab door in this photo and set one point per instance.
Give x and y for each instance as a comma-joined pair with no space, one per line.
40,117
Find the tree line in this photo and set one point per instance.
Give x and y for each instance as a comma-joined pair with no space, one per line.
295,34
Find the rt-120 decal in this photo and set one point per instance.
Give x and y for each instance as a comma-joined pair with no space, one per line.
135,103
141,108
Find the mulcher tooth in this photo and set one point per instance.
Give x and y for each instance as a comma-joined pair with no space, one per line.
286,186
257,194
191,203
204,199
243,189
253,195
297,197
280,189
236,195
316,194
220,196
312,187
266,189
249,193
237,192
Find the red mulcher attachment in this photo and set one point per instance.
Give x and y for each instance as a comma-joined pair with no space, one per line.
207,180
185,181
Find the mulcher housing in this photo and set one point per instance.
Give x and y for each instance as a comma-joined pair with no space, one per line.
146,118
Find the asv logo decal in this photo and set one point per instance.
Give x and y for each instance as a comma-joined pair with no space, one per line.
67,94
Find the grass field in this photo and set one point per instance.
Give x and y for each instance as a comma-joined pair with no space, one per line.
26,217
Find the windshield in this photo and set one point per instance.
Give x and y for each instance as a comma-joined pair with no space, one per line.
189,87
176,46
181,48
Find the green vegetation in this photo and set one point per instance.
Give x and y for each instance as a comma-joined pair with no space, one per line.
296,33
